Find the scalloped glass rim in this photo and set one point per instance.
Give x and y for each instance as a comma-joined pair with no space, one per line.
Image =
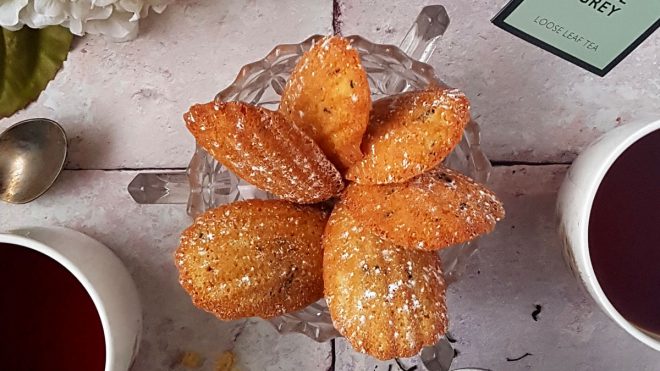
389,71
296,50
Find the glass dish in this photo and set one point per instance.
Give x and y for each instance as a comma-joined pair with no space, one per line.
390,70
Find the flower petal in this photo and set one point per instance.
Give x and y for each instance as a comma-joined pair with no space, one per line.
9,11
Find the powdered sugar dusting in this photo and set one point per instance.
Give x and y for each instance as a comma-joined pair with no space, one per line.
261,147
253,258
439,208
328,97
379,290
410,133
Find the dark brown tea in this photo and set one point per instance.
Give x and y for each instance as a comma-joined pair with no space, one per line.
624,233
47,320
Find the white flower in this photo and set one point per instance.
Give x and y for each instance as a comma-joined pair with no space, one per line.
9,13
116,19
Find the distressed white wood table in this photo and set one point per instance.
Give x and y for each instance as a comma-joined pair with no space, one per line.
121,105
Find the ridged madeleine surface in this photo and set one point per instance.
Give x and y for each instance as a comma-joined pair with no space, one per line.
328,97
410,133
253,258
386,300
431,211
261,147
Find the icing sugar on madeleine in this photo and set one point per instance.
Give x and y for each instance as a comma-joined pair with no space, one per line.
329,98
386,300
262,147
432,211
253,258
410,133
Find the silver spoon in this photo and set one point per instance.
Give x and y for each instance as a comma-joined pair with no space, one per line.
32,155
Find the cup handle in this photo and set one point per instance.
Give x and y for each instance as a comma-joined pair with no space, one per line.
439,356
420,41
160,188
423,36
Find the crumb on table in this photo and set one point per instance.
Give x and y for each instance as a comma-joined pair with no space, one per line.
192,360
225,362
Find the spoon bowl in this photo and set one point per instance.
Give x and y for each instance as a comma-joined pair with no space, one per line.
32,155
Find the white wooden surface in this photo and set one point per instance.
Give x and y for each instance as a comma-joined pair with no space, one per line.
121,105
517,267
533,106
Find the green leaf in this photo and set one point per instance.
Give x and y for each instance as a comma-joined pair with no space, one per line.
29,59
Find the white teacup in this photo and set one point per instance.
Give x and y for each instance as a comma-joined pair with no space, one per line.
105,279
574,204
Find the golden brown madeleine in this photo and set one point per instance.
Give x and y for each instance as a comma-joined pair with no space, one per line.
328,97
431,211
386,300
253,258
261,147
410,133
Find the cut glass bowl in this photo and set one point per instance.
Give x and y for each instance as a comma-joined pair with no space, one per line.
208,184
389,71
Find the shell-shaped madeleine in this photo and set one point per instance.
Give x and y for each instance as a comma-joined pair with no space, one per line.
263,148
328,97
253,258
410,133
386,300
434,210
